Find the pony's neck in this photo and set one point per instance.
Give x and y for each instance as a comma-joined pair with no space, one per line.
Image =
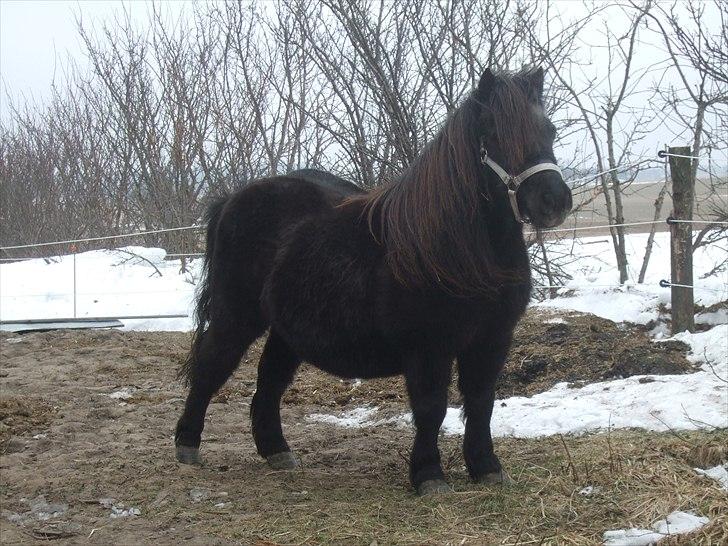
433,221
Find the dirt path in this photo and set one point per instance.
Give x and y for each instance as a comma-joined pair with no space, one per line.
73,456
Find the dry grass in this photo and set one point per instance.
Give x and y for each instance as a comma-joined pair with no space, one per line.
22,415
638,478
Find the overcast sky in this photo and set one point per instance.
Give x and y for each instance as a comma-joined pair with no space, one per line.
38,36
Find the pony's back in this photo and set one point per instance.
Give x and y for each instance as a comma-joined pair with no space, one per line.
327,180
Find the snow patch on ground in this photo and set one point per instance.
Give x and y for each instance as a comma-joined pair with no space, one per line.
555,320
123,512
677,523
39,510
589,490
123,394
712,319
358,417
690,401
118,510
709,348
718,473
128,281
594,276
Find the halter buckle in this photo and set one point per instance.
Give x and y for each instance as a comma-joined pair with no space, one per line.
483,153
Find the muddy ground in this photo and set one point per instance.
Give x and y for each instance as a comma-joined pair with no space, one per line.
81,464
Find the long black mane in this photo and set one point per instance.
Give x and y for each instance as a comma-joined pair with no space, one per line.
430,219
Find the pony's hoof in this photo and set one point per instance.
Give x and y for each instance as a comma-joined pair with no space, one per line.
285,460
494,478
188,455
433,487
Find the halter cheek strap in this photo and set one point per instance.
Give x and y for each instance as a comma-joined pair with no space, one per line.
512,182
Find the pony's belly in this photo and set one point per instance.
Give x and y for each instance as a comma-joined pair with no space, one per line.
354,366
350,357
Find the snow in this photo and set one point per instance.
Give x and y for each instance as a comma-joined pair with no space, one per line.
40,510
198,494
123,394
677,523
356,418
716,317
718,473
686,402
108,283
122,512
555,320
595,279
118,510
589,490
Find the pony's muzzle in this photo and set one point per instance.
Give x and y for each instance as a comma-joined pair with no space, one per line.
546,200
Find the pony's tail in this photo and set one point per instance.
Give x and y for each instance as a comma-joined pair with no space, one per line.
204,291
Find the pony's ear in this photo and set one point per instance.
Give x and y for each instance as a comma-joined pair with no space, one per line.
536,83
486,84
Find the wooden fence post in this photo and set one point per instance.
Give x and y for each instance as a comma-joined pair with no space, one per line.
681,241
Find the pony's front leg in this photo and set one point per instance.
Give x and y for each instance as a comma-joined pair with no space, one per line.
427,382
478,370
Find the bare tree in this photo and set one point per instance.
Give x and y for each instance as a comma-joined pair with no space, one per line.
697,52
612,125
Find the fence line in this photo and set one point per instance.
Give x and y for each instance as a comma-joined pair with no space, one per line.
663,284
627,224
104,238
618,168
582,228
672,220
667,284
197,226
663,153
125,258
124,293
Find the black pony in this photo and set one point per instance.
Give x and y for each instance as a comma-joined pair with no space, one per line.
402,280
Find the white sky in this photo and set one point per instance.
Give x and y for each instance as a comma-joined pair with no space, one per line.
37,36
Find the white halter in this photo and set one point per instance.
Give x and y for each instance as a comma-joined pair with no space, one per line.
512,182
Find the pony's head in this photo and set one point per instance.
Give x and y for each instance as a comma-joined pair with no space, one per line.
516,147
445,221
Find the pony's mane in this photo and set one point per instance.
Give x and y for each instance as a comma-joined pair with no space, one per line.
428,219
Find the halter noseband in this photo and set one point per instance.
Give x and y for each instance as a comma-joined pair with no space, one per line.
512,182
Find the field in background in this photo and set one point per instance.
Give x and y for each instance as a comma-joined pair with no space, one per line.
639,206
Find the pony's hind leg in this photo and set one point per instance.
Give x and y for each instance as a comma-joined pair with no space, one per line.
278,365
219,352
